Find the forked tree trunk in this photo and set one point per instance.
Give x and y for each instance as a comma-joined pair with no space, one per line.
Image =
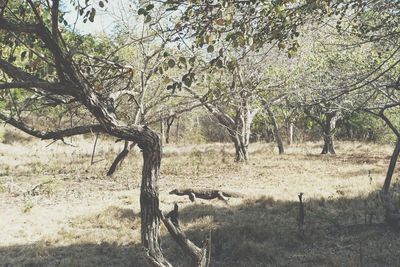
392,166
241,150
329,147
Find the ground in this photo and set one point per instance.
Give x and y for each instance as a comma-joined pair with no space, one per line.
58,209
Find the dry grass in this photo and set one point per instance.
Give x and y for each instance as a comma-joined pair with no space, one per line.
80,217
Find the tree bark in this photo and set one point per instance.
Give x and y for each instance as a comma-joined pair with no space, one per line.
329,147
329,128
162,128
241,150
277,135
290,128
392,166
178,129
120,157
149,201
169,122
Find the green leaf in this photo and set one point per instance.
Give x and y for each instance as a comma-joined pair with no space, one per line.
92,15
187,80
147,19
241,40
182,60
149,7
278,9
171,63
210,49
101,4
219,63
192,60
142,11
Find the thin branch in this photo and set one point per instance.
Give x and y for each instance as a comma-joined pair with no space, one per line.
52,134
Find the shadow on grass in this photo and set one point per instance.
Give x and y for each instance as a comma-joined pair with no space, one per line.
258,232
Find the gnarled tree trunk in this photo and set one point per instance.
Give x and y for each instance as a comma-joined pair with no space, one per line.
149,201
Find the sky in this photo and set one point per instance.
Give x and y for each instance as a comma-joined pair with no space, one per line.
104,20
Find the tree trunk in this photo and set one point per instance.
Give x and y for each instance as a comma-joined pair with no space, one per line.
149,202
329,147
290,133
392,166
169,122
178,128
392,215
162,126
277,135
329,129
241,151
120,157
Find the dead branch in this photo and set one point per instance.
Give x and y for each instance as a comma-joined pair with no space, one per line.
199,255
120,157
94,149
52,134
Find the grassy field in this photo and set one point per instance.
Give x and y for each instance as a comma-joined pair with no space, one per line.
59,210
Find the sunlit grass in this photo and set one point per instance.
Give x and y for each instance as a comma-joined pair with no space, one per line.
85,218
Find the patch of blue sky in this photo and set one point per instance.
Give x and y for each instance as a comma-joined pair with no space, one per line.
105,20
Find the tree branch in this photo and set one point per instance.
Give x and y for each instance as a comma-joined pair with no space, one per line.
18,27
52,134
56,88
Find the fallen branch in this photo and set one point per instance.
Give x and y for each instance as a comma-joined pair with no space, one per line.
199,255
205,193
